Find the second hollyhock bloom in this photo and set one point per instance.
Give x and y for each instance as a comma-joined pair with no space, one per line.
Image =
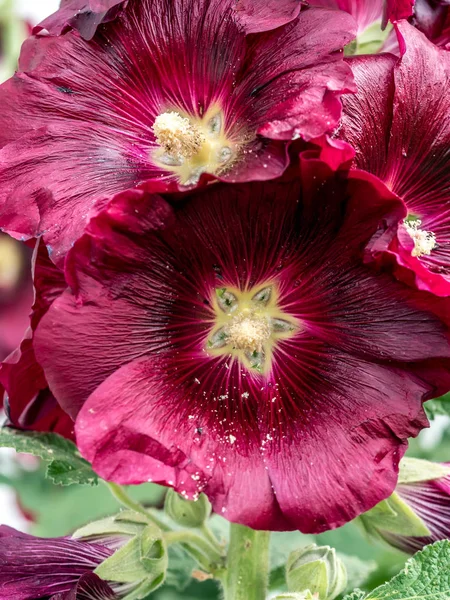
51,569
167,93
404,138
216,345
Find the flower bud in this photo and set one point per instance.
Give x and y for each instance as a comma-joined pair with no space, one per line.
418,512
317,569
187,513
139,562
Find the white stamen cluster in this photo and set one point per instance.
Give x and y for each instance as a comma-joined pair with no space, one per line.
249,332
424,241
177,135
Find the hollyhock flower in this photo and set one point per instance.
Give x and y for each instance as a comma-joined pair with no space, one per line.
55,569
213,346
27,401
430,503
405,142
16,294
181,90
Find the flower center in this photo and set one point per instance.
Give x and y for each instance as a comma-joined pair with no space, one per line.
249,332
190,146
424,241
248,325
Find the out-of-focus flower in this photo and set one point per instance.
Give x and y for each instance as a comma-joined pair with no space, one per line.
165,93
417,514
394,10
405,141
16,293
13,31
433,18
213,346
117,557
27,401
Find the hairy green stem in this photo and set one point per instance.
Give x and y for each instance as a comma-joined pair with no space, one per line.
123,498
248,564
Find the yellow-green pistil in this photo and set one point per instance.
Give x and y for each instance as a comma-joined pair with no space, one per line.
248,325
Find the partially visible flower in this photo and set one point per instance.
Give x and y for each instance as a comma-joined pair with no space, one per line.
165,95
404,140
365,12
428,502
214,345
16,293
110,559
433,18
55,569
27,401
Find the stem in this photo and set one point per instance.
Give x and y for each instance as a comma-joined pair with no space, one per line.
193,539
248,564
123,498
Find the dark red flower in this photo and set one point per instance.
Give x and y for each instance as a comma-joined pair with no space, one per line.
28,402
55,569
16,293
163,94
405,140
237,344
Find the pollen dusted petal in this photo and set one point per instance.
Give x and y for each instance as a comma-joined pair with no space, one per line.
136,321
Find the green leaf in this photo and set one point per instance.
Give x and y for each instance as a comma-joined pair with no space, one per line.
66,466
439,406
426,576
181,565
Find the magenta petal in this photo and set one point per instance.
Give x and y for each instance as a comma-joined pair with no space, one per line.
144,444
256,16
306,96
91,587
394,10
365,12
83,15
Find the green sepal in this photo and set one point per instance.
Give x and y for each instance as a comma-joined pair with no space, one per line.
415,470
108,526
396,516
142,561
